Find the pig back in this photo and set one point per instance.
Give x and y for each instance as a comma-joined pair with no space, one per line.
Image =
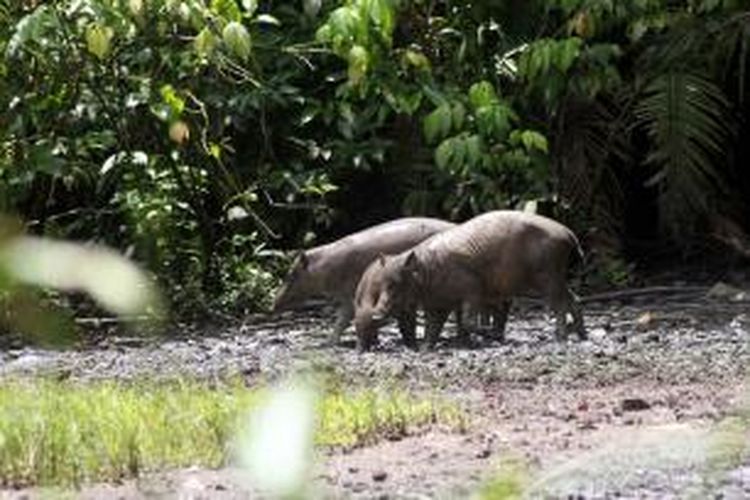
511,252
343,261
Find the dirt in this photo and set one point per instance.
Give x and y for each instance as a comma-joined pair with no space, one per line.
631,412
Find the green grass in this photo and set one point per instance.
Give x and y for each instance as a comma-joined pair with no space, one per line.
58,433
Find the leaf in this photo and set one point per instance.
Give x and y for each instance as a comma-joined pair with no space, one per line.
99,40
566,53
109,278
205,42
443,154
228,9
250,6
458,114
382,16
35,27
358,63
175,102
237,39
437,124
43,159
267,19
687,118
312,7
482,94
473,147
532,139
416,60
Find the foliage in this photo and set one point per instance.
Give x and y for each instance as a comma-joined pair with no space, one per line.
201,134
66,433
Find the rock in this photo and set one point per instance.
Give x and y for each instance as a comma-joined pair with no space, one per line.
379,476
597,334
727,292
634,404
484,453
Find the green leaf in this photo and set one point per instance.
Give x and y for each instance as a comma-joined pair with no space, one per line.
175,102
482,94
686,116
443,154
237,39
567,51
228,9
532,139
438,123
205,42
416,60
250,6
99,40
382,16
473,147
358,63
458,114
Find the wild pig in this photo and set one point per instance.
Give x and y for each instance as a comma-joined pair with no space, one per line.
478,265
333,270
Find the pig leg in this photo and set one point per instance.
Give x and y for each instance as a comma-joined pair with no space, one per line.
407,324
575,311
434,322
344,316
468,318
563,302
499,315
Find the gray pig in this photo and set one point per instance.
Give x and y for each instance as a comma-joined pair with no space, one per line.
478,265
333,270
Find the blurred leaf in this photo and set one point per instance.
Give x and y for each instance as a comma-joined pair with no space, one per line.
277,445
109,278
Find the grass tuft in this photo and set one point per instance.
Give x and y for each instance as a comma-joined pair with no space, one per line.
60,433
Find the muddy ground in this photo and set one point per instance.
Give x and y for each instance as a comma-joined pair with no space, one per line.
631,412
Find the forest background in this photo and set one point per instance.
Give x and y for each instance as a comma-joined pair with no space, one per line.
203,137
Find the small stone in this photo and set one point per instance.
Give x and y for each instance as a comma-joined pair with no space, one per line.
635,404
380,476
353,470
484,453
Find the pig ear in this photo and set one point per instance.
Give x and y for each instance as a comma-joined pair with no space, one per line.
412,263
381,259
303,260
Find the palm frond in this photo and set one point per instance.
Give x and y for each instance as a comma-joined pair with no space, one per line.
590,143
686,117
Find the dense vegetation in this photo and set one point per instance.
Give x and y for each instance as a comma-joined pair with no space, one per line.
199,135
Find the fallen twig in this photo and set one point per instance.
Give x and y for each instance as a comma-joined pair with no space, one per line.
636,292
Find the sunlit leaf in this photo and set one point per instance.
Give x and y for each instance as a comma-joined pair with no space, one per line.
250,6
482,94
237,39
228,9
359,60
99,40
267,19
205,42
